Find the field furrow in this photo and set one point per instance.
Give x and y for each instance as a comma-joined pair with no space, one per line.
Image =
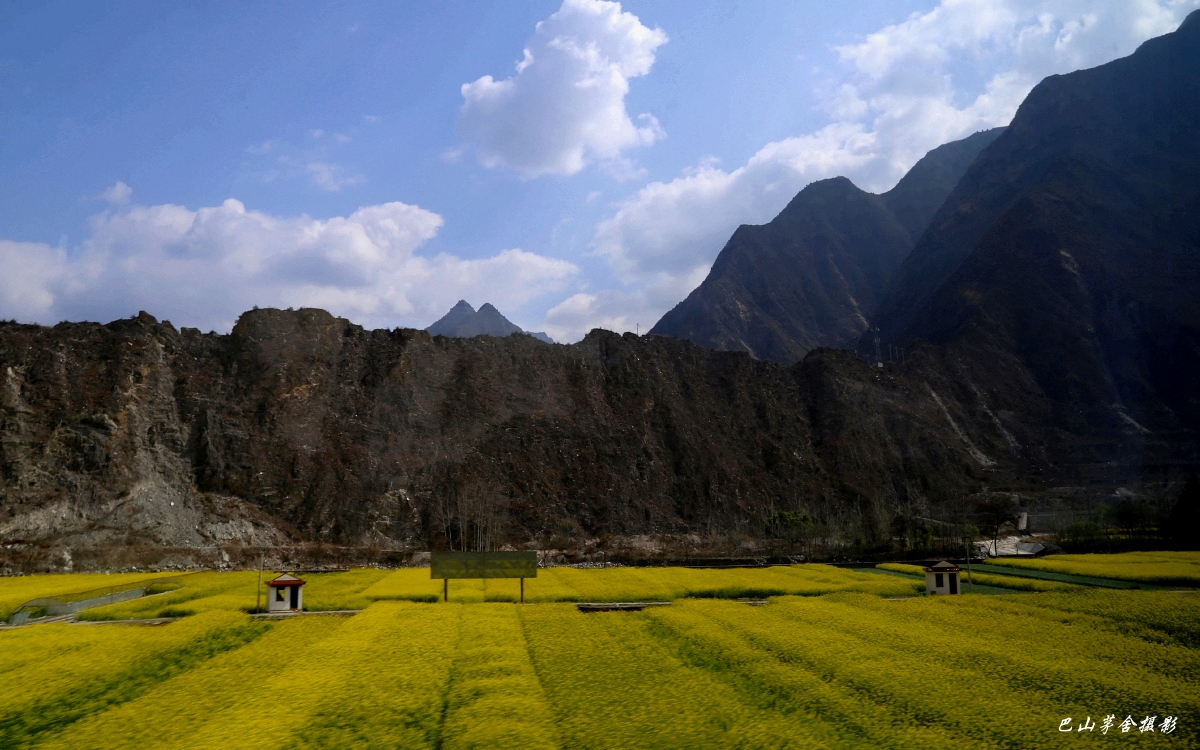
495,698
614,684
95,668
207,693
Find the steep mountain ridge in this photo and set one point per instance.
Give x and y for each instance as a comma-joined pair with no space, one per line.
812,276
1119,114
1072,248
302,426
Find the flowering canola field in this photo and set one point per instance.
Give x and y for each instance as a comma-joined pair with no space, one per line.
1159,568
970,578
17,590
838,668
641,584
358,589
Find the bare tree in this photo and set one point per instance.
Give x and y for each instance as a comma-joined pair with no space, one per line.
992,514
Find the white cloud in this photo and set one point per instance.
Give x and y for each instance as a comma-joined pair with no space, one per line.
331,177
202,268
118,194
897,97
636,309
565,106
677,227
27,269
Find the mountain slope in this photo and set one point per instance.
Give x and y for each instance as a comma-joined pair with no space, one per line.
1071,249
461,317
302,426
812,276
1120,115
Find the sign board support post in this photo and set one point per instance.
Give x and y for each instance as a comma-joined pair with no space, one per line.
522,590
445,589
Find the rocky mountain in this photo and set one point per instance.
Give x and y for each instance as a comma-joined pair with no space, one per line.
1070,252
302,426
464,321
813,275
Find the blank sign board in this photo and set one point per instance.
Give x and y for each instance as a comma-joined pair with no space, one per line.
483,565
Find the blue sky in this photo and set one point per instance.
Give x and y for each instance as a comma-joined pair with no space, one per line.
578,164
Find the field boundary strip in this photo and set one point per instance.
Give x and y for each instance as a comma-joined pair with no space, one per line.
1095,582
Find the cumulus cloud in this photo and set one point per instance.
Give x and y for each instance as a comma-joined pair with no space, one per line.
635,309
938,76
565,106
118,194
202,268
27,270
677,227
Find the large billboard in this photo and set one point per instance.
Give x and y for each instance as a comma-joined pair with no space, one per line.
483,565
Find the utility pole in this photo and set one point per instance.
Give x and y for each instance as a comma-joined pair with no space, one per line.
967,547
258,589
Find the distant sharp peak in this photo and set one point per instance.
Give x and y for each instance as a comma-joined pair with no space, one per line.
464,321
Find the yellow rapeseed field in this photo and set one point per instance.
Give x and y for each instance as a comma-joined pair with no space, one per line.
330,591
200,695
841,669
379,681
54,675
201,592
236,590
495,698
615,684
986,579
643,584
16,590
1160,568
357,589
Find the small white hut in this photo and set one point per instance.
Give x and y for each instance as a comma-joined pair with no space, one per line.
942,578
285,594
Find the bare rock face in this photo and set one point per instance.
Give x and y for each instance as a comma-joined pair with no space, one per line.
299,426
93,451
